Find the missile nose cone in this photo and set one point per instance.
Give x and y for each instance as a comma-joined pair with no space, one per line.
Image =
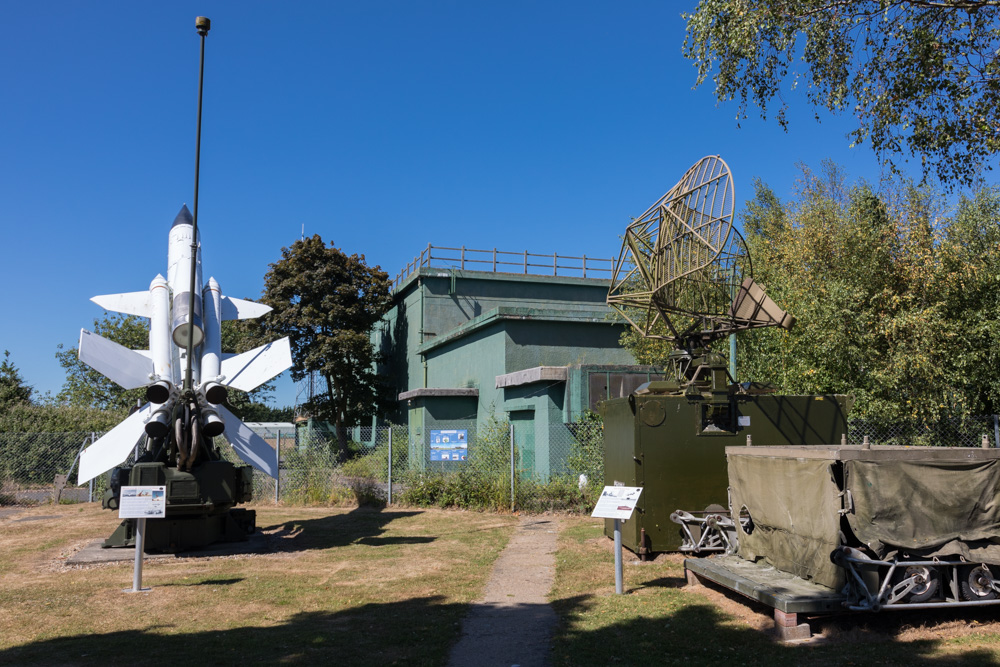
183,217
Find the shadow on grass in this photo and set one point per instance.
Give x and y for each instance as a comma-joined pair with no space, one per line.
206,582
662,582
698,633
362,525
422,631
419,631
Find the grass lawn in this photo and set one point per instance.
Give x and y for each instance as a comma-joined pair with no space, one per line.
353,586
376,587
660,622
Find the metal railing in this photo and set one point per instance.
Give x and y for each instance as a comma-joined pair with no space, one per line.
503,261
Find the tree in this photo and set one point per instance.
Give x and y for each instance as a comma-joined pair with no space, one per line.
239,336
327,303
19,413
85,387
921,76
896,297
13,391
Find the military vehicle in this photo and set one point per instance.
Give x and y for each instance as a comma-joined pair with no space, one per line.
684,276
860,528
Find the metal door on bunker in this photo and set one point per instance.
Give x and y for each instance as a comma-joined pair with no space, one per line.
523,423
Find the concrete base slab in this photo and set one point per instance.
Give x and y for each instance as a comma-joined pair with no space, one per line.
761,582
93,553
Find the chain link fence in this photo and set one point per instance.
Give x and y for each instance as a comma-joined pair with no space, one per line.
949,432
499,466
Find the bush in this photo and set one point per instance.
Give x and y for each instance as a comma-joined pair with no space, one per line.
559,493
587,449
26,418
483,482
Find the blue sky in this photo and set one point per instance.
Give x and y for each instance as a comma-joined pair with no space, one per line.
382,126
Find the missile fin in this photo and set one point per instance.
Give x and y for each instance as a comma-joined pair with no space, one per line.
125,367
251,369
114,447
241,309
130,303
248,445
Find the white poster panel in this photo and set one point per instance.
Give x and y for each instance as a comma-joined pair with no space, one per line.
617,502
143,502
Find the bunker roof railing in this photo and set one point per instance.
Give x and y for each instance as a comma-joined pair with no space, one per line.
502,261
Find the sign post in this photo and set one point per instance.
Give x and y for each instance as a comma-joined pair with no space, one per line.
141,503
618,503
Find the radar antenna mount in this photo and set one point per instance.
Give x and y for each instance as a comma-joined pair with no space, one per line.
684,274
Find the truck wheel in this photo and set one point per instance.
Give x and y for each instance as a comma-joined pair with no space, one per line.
925,588
976,583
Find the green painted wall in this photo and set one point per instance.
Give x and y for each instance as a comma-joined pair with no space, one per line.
454,329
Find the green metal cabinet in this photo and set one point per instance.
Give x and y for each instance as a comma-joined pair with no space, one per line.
673,445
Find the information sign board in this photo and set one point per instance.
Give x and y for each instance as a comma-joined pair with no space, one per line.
617,502
449,444
143,502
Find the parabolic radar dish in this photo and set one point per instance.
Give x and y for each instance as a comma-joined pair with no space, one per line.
684,274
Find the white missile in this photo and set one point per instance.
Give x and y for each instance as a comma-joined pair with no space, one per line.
167,305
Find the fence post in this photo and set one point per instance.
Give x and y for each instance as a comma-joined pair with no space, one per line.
996,430
512,468
389,474
90,494
277,468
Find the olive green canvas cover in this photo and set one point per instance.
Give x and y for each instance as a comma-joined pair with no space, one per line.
925,501
794,505
927,508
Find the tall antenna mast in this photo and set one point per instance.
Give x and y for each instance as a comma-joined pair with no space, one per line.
202,24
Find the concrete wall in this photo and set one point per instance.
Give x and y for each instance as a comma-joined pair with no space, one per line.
462,329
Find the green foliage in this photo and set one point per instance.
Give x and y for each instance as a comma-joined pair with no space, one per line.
896,301
372,462
25,418
367,492
587,448
327,303
919,76
244,406
561,492
85,387
13,391
33,458
240,336
483,482
19,415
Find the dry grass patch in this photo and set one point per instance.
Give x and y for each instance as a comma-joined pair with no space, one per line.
661,621
347,584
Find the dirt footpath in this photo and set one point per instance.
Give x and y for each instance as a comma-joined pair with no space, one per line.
513,623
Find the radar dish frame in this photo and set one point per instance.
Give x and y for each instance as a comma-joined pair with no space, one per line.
684,273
